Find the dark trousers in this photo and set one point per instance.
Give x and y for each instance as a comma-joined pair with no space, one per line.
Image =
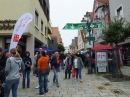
67,71
2,78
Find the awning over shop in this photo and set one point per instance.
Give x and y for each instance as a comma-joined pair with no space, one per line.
46,49
102,47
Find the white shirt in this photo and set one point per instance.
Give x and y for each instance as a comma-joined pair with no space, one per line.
75,63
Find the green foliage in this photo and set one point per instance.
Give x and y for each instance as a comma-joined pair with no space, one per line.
60,48
118,30
50,46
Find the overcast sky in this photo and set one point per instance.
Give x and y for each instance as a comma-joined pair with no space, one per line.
68,11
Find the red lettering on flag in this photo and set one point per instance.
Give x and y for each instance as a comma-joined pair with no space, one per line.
16,38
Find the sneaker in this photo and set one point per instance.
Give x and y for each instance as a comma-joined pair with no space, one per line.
81,81
58,85
39,95
76,80
37,87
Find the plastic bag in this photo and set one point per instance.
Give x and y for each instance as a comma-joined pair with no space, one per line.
73,73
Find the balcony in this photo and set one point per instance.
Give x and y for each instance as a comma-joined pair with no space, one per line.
49,28
49,36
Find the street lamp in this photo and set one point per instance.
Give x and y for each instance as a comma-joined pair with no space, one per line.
86,22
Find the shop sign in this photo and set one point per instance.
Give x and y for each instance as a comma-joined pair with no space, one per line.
7,24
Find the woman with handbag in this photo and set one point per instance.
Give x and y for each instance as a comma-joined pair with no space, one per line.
43,73
13,70
78,65
55,67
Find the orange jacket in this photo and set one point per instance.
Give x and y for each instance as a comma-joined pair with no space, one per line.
43,63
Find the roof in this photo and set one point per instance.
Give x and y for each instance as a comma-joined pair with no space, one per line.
91,15
82,35
102,2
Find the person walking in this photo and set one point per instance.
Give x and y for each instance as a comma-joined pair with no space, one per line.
87,62
43,73
3,59
62,57
78,65
28,62
13,70
68,66
55,67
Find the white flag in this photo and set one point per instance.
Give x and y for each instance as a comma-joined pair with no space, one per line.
19,29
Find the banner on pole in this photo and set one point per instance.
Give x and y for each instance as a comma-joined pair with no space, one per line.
19,29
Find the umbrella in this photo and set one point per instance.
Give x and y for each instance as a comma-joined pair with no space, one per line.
102,47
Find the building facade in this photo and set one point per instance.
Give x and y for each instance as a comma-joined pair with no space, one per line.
100,14
81,40
67,50
55,38
37,32
89,43
120,8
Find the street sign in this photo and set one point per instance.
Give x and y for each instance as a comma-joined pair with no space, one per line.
78,26
90,38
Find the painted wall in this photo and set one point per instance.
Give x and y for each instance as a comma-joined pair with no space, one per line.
13,9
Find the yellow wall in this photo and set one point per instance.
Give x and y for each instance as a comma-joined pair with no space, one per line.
13,9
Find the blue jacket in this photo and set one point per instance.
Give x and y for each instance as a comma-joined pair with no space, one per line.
54,63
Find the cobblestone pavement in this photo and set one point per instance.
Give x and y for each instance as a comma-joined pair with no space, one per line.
92,86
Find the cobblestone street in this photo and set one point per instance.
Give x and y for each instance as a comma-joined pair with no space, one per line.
92,86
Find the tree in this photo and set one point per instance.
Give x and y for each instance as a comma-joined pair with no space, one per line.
50,46
118,31
60,48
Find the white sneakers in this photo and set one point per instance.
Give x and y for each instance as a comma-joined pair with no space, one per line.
37,87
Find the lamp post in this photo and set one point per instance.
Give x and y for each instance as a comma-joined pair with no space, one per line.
86,22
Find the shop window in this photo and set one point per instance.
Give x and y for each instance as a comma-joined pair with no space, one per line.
41,25
36,17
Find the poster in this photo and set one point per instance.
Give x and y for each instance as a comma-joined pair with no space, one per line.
101,56
102,69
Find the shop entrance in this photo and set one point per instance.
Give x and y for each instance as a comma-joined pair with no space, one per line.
21,47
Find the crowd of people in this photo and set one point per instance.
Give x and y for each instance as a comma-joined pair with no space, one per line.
12,66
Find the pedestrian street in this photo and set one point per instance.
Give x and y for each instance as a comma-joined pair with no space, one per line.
92,86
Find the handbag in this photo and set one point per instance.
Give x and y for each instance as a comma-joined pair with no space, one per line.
73,73
69,67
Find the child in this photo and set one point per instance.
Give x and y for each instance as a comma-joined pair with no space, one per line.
1,90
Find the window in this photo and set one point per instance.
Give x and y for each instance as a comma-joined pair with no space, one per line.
52,41
41,25
119,11
106,11
36,18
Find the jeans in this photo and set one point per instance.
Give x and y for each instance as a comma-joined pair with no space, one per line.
35,71
67,71
26,72
43,85
55,78
11,84
78,73
62,64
